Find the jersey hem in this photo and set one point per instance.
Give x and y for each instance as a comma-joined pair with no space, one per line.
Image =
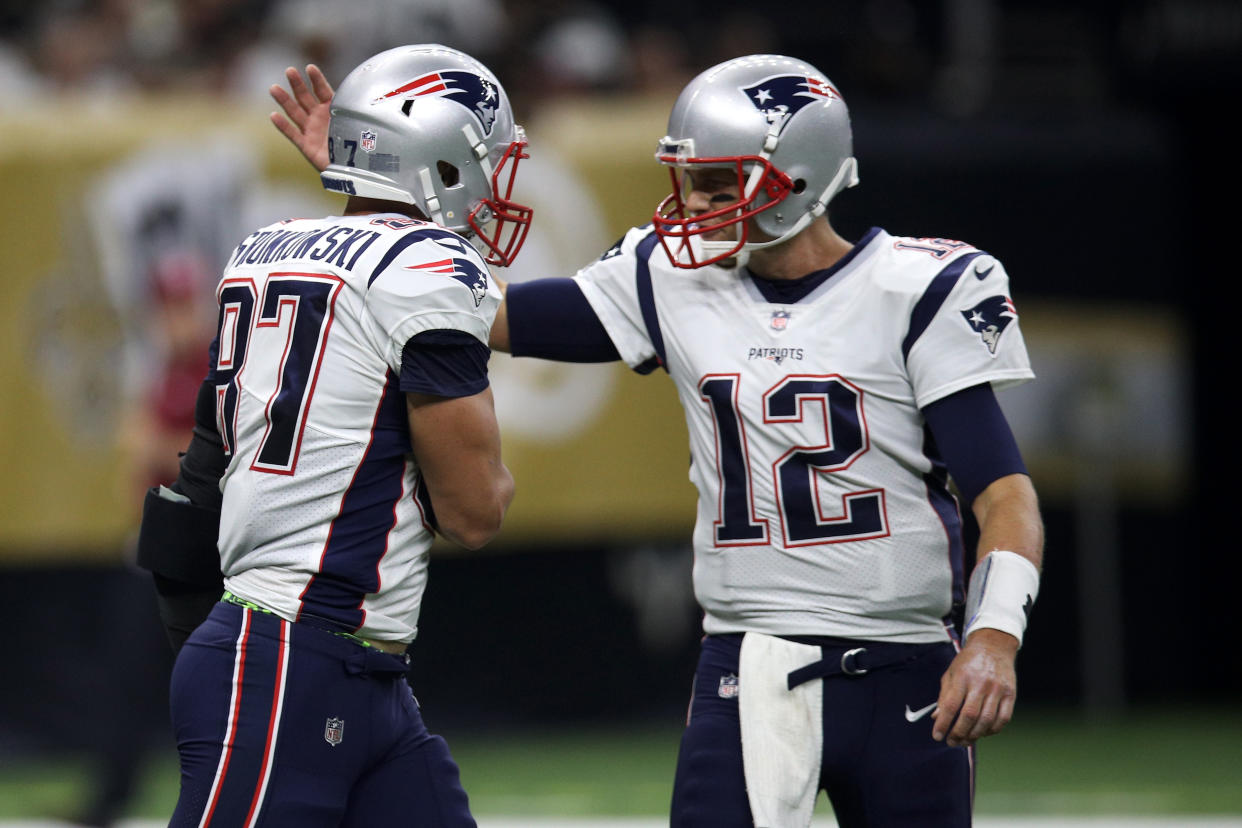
938,635
1000,380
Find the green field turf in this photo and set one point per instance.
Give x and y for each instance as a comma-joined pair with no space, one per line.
1154,762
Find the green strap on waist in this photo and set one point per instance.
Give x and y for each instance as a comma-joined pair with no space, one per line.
230,598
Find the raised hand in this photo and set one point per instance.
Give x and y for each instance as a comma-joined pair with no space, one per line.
306,113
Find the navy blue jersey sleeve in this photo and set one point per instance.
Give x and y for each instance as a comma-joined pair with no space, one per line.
444,363
974,439
552,319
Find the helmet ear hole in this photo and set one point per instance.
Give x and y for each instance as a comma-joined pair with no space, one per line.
799,185
450,176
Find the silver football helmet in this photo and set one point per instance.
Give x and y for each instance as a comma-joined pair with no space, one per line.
431,126
784,129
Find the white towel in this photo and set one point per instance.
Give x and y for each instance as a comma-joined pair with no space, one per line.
782,730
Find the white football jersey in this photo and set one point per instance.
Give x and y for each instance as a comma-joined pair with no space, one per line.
822,507
323,514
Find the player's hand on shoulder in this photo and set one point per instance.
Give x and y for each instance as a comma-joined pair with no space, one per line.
307,112
978,690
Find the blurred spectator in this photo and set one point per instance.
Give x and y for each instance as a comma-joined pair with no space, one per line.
583,50
659,59
744,31
18,81
556,48
81,48
180,322
338,36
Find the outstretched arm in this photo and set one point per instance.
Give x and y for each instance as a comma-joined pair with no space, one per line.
306,113
550,319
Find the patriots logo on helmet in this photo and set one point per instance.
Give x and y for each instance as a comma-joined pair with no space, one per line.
463,270
989,319
475,93
781,96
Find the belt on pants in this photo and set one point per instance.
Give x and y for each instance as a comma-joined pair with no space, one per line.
853,662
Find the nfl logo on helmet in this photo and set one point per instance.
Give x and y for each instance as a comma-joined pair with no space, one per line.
368,140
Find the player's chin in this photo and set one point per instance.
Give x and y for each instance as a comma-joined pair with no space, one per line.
722,235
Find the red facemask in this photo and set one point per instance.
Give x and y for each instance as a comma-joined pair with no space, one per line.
512,220
677,229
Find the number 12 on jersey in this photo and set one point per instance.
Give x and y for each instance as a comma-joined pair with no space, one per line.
298,307
796,472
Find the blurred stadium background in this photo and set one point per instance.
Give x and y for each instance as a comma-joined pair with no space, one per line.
1081,143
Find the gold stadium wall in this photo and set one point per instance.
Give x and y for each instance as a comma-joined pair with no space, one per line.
598,452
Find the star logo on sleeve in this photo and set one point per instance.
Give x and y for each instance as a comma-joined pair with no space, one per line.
989,319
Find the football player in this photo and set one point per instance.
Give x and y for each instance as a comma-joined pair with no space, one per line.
833,391
346,418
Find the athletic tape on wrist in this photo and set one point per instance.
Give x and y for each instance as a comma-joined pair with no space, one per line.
1002,591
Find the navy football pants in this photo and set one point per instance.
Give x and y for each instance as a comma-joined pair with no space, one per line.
879,770
282,724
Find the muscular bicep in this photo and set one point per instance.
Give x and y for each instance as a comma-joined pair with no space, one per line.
456,441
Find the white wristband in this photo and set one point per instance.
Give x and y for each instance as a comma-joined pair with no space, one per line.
1002,591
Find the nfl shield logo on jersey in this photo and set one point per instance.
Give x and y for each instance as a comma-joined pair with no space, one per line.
368,140
780,320
334,731
728,687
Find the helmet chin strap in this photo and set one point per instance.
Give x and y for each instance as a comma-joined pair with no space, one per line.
847,176
429,196
434,210
770,142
